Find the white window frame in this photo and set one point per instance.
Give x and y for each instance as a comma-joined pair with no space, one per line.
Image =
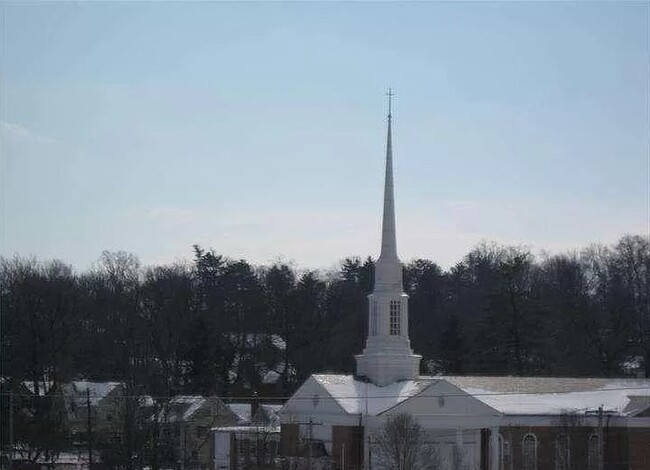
523,452
395,318
594,455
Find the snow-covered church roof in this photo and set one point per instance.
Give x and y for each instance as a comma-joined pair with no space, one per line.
555,395
356,396
505,395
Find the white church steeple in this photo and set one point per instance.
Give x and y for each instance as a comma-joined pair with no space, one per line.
387,356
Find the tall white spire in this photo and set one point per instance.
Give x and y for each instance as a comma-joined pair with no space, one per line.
388,242
387,356
388,269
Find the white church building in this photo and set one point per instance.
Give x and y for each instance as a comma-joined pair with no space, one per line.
482,423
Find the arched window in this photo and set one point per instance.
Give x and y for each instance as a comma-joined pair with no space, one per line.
594,457
529,452
562,452
395,318
374,318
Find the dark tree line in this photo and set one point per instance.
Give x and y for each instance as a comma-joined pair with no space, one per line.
186,328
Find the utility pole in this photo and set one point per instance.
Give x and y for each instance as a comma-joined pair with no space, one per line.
309,449
89,430
600,438
11,424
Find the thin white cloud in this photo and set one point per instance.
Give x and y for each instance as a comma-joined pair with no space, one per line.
443,233
15,130
21,133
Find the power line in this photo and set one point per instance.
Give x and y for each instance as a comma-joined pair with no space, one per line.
226,399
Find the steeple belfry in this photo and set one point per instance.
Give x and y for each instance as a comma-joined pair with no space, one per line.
387,356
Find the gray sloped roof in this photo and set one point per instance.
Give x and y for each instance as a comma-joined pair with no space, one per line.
243,412
554,395
351,393
637,405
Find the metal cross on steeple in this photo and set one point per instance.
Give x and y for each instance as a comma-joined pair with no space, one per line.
390,95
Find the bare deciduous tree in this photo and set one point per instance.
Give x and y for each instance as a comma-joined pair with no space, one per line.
402,445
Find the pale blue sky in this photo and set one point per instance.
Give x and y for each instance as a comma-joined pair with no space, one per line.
258,128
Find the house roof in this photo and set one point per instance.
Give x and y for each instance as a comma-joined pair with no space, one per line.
637,405
356,396
42,386
97,391
242,410
555,396
182,407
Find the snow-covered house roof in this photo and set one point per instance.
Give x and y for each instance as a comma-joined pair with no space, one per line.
243,412
43,387
97,390
556,396
272,375
266,414
182,408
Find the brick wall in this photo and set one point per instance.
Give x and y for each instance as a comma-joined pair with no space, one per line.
623,448
639,448
348,439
